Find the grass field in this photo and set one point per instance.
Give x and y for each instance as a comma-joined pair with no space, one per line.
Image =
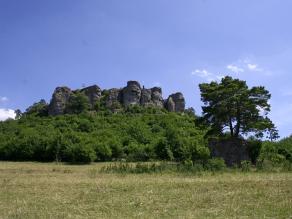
39,190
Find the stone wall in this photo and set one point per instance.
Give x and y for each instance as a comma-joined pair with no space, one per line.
233,151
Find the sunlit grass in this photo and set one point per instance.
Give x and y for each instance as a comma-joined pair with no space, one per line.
39,190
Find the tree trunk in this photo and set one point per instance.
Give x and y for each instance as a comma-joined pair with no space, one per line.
237,127
231,127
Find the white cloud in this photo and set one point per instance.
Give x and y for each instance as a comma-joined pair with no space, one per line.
156,84
206,75
234,68
6,113
3,99
253,67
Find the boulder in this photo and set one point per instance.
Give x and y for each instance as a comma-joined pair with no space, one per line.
233,151
93,93
59,100
132,93
175,102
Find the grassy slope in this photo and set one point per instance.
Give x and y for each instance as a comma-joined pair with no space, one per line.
36,190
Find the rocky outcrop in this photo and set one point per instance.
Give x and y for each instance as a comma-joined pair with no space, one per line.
132,93
93,93
156,97
60,97
114,99
233,151
175,102
152,97
146,97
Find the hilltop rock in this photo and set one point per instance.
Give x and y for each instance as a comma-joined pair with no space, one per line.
113,98
132,93
175,102
59,100
156,97
146,97
152,97
93,93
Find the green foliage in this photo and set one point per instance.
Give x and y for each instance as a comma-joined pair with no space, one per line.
276,155
80,153
37,109
254,148
245,166
215,164
77,103
231,105
90,137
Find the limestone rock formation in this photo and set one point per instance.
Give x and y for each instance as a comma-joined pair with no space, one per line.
60,97
93,93
156,97
175,102
146,97
152,97
233,151
113,98
132,93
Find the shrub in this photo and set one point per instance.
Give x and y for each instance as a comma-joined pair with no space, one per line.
162,150
254,148
215,164
245,166
103,151
79,153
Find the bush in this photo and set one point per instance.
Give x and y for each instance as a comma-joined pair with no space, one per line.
254,148
103,152
245,166
215,164
162,150
78,153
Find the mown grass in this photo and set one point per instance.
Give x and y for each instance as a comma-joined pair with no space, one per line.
40,190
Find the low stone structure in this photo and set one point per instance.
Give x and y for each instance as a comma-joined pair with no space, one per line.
233,151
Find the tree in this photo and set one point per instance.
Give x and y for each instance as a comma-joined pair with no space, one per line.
77,104
232,105
18,114
39,109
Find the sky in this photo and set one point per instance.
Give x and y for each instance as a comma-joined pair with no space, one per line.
175,44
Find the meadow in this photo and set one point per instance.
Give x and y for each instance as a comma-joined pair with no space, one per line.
52,190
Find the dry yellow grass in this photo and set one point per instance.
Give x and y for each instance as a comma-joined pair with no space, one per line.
37,190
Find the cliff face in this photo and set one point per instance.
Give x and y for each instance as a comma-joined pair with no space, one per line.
132,94
60,97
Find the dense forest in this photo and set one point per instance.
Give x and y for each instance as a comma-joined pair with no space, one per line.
85,134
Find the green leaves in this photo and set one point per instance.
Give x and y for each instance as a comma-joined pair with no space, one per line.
230,106
84,138
77,104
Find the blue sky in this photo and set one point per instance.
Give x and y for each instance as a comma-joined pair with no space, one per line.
175,44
